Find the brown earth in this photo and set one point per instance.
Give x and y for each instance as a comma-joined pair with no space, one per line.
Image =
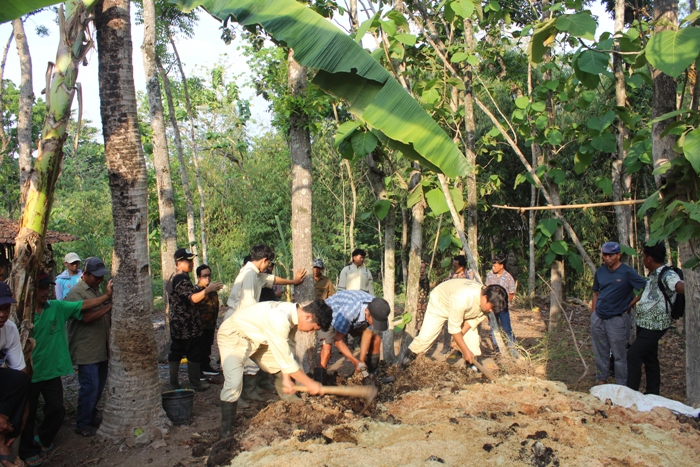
433,413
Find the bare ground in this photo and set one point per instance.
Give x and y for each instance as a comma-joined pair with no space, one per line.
433,413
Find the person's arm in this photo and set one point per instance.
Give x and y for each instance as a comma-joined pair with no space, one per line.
345,350
95,302
370,284
58,288
343,279
212,287
459,340
331,289
594,302
314,388
680,287
298,278
94,315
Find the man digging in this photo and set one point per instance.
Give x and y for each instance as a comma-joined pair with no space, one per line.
264,332
463,304
359,314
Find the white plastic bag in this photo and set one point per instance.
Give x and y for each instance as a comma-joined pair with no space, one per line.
626,397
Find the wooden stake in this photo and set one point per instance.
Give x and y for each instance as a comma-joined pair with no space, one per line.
571,206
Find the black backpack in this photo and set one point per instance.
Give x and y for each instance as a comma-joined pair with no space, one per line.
678,306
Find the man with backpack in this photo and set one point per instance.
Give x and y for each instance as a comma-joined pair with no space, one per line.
661,301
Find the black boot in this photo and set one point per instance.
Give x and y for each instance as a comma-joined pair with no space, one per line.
263,381
228,416
174,375
193,375
408,358
373,364
320,375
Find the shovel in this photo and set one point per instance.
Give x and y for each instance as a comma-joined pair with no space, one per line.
365,392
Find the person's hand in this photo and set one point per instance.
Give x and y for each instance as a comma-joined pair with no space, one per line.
214,287
110,288
299,276
359,366
314,388
287,384
469,357
5,425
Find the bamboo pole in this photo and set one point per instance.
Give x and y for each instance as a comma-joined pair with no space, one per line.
572,206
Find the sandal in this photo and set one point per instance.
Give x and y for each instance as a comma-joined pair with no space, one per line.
34,461
86,431
14,461
44,449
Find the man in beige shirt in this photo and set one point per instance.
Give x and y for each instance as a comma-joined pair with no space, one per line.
250,280
463,304
265,333
356,276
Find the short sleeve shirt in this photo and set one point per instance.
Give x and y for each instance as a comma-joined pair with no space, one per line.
505,280
354,278
615,289
323,288
208,308
51,357
185,322
11,347
88,342
348,309
652,312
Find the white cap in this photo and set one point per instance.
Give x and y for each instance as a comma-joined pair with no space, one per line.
71,258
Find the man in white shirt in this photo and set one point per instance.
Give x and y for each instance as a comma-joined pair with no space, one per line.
14,381
356,276
265,333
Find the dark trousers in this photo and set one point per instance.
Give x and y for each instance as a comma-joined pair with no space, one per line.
14,386
645,350
206,340
92,379
54,413
190,348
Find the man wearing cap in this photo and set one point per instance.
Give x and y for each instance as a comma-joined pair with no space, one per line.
265,334
322,285
68,278
14,381
462,304
51,360
356,276
89,347
185,322
359,314
614,284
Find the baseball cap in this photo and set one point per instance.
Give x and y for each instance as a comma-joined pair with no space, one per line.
610,248
71,258
183,253
95,266
379,309
6,294
318,263
45,279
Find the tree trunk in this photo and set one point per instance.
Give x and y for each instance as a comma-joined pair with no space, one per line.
133,388
191,236
532,215
353,211
302,253
26,102
4,139
39,189
414,254
161,157
404,246
621,180
470,149
195,156
692,324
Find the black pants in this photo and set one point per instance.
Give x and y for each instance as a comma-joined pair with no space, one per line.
54,413
14,385
206,341
190,348
645,350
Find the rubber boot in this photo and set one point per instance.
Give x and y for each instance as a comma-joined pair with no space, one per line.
193,375
228,416
408,358
279,387
373,364
320,375
264,382
174,375
250,389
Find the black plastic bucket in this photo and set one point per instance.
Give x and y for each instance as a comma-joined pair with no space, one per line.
178,405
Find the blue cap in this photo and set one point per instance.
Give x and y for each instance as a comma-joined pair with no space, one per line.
610,248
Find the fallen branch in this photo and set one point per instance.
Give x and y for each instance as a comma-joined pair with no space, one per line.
571,206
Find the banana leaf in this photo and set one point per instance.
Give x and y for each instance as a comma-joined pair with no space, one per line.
347,71
12,9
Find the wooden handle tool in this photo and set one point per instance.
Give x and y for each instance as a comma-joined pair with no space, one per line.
365,392
484,370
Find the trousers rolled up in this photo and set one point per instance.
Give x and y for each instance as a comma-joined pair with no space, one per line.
610,335
432,327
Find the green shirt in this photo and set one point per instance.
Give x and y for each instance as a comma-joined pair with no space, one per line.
51,357
88,342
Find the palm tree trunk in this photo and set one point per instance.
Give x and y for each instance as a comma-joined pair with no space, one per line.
191,236
302,252
133,387
26,102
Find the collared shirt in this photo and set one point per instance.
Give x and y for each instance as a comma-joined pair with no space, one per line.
208,308
247,287
323,288
615,289
457,300
185,322
267,323
11,347
51,357
652,312
354,278
348,309
505,280
88,342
